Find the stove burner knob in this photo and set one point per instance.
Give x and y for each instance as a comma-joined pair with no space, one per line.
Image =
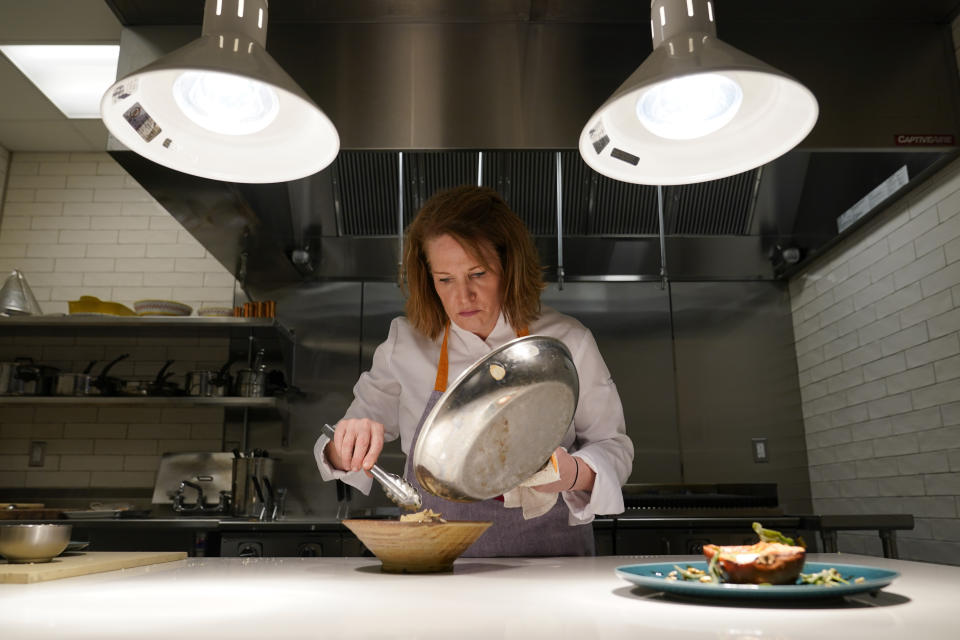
250,550
310,550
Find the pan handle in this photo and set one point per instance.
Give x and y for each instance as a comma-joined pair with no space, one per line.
106,369
160,377
222,374
89,367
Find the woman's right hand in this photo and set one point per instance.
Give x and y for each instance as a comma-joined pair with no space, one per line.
356,445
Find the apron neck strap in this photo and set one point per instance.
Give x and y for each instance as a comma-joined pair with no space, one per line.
443,364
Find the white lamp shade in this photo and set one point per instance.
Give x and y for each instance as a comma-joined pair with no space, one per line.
775,113
296,140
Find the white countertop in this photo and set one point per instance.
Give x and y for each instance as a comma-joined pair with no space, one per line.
521,598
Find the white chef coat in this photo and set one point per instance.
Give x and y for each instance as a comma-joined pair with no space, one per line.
395,390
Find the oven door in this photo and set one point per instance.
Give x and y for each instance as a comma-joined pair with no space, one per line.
287,544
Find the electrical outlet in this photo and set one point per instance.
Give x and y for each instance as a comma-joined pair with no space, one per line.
38,451
760,450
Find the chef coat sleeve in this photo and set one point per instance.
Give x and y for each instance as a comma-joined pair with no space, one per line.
376,396
601,438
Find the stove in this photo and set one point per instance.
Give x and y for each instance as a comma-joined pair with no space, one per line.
681,518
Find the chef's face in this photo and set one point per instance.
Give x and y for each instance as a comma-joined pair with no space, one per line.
469,292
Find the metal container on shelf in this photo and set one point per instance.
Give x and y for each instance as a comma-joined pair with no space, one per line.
23,377
252,489
252,382
10,382
208,383
76,384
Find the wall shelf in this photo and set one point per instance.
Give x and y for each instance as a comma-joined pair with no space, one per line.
242,334
141,322
141,401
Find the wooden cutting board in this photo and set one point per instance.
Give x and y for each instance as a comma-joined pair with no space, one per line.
79,564
30,514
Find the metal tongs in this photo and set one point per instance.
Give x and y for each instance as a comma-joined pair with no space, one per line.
397,489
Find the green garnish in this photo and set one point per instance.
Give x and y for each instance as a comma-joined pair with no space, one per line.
714,569
825,578
770,535
689,573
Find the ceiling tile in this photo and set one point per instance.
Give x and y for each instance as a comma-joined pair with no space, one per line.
93,131
47,135
21,99
57,22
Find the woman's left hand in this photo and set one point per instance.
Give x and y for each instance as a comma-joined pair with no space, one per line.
575,474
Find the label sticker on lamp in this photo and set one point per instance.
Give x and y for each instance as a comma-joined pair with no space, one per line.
124,91
625,156
141,121
599,137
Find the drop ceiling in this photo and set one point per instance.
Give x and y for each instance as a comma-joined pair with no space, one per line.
28,120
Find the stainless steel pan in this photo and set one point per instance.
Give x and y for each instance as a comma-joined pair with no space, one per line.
36,379
76,384
498,423
10,382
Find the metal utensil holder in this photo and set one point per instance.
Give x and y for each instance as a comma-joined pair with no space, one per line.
251,498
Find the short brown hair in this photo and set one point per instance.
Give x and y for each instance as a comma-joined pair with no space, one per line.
473,216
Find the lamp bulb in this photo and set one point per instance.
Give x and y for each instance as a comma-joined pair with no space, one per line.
690,106
225,103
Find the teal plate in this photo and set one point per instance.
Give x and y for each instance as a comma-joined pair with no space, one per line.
653,576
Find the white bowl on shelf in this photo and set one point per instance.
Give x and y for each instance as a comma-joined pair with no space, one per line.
161,308
215,312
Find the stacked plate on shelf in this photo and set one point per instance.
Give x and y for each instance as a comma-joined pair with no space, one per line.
161,308
93,306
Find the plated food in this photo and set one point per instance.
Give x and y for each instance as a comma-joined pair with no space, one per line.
775,559
772,568
427,515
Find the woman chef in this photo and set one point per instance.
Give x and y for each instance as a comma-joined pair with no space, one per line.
474,283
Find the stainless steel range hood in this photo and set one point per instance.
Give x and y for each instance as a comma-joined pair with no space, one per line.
431,94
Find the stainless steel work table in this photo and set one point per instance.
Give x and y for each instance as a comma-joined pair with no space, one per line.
521,598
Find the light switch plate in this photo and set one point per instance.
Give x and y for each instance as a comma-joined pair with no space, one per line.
38,451
760,453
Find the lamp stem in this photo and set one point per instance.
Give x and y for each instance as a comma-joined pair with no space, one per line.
240,19
663,242
669,18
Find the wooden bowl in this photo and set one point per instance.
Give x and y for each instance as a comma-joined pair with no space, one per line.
417,547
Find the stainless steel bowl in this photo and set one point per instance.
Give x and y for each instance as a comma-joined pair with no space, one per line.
21,543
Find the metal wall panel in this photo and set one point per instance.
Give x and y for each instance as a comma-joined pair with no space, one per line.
326,362
504,84
631,324
692,403
737,380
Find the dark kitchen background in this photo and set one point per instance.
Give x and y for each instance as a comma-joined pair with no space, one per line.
833,354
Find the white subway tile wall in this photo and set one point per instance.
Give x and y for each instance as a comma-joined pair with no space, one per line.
77,224
4,166
877,328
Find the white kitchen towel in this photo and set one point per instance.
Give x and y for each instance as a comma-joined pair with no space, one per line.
534,503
